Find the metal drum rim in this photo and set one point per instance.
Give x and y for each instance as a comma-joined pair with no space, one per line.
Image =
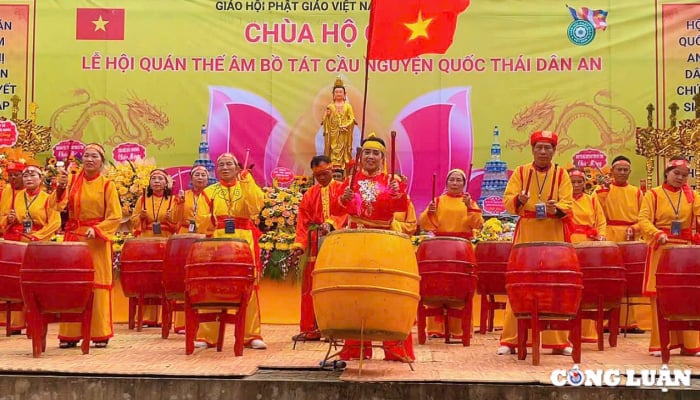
388,271
543,244
367,289
187,235
680,246
13,243
146,239
206,239
594,244
452,238
495,241
364,230
35,244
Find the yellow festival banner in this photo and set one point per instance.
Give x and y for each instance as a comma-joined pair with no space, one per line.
143,77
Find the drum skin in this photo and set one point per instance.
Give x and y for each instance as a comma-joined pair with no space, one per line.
176,252
366,285
219,273
141,267
678,282
59,277
545,273
11,257
492,262
447,267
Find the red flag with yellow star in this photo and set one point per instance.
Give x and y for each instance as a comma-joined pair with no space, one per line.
99,24
400,29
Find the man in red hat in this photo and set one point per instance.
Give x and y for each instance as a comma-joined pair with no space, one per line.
541,194
315,210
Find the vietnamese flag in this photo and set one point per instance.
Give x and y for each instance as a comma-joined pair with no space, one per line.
401,29
99,24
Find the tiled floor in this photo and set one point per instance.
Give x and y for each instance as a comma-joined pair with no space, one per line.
145,353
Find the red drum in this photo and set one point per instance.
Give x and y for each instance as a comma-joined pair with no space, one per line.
447,267
492,261
57,282
219,274
141,267
603,274
634,257
11,256
176,251
678,282
544,276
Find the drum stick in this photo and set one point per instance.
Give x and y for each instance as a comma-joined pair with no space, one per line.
434,177
676,241
70,150
143,199
179,177
393,153
247,158
358,157
468,177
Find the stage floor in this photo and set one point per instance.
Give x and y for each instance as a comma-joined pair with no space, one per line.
147,354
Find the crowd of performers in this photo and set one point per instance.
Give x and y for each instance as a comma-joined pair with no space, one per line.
549,200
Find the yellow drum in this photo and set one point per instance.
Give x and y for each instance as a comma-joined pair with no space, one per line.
366,285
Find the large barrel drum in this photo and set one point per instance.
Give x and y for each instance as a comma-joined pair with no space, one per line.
492,261
603,274
57,277
366,285
678,282
634,257
176,251
447,269
11,256
141,267
546,273
219,273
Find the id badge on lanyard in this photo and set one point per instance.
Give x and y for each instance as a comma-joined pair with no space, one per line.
229,226
156,228
27,226
192,228
676,228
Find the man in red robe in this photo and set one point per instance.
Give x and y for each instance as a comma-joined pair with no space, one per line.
315,219
371,198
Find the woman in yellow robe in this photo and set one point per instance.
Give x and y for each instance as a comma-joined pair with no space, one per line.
236,196
94,215
155,218
451,214
31,217
338,125
587,224
669,213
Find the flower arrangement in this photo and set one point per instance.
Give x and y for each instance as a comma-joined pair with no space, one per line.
51,170
495,229
278,220
131,178
117,244
594,176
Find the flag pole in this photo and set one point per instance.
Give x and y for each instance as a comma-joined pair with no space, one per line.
364,94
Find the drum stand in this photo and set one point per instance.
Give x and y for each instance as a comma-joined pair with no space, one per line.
334,343
539,323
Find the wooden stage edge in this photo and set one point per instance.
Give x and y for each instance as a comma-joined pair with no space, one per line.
135,355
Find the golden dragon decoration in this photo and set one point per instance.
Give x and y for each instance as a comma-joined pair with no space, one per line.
541,114
135,127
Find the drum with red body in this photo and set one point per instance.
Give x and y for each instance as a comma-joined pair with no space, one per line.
57,277
546,274
219,273
176,251
11,256
141,267
603,274
447,268
634,257
492,262
678,282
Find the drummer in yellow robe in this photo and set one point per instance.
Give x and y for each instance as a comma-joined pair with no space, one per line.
621,202
193,212
541,194
669,213
155,218
31,217
236,199
94,215
454,213
587,223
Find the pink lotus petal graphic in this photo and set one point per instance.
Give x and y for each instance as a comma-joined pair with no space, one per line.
433,134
